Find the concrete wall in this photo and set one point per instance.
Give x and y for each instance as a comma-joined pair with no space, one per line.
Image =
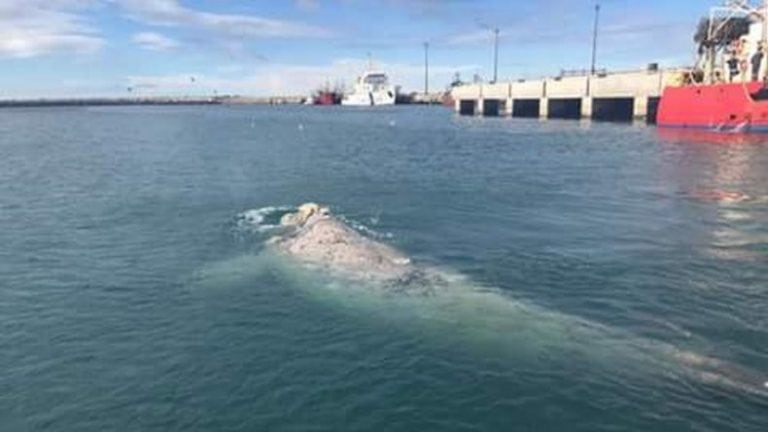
626,85
528,89
496,91
468,91
567,87
639,85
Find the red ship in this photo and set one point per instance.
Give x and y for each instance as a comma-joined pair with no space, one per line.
726,91
739,107
327,95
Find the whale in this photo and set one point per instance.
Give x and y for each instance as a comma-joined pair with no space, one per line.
320,239
330,260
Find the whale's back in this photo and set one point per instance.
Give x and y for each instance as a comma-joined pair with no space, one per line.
327,242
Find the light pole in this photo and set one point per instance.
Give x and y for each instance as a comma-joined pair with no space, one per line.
495,54
594,37
495,31
426,68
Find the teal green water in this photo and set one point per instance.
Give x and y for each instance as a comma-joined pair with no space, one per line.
599,277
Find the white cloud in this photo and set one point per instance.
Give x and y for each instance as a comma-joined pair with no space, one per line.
30,28
172,13
154,41
290,79
474,37
307,5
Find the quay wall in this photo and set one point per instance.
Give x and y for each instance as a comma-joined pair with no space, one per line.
595,96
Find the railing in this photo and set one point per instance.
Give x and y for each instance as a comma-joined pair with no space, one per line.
652,69
565,73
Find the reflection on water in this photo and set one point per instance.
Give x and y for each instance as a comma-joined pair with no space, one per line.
699,136
721,171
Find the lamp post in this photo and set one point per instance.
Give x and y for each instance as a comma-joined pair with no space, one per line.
594,37
495,54
426,68
495,31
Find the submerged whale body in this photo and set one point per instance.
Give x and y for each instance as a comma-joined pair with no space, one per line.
315,238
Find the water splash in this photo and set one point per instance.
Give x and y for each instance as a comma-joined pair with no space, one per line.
262,219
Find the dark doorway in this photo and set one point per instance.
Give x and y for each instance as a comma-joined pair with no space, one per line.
491,107
526,108
565,109
467,107
613,109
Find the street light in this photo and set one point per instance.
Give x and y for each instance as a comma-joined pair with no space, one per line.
495,31
594,37
426,68
495,54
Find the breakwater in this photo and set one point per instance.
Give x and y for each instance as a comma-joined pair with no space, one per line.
164,100
21,103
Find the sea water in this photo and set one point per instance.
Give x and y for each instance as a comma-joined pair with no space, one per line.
136,291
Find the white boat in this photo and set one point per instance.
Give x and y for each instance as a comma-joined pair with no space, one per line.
371,89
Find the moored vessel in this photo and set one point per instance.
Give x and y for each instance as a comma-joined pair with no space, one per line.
326,95
371,89
726,90
738,107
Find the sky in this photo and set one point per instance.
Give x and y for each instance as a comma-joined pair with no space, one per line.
89,48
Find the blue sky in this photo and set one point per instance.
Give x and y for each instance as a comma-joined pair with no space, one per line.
61,48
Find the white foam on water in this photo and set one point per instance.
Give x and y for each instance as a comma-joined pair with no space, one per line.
365,229
255,218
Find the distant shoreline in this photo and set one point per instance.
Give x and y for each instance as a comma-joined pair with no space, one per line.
77,102
35,103
418,99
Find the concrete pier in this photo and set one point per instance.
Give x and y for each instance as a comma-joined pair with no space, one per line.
615,96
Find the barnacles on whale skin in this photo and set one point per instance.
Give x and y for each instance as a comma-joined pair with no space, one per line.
319,238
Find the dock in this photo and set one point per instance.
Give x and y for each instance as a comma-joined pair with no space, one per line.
611,96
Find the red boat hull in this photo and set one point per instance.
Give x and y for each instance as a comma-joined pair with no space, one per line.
720,107
327,98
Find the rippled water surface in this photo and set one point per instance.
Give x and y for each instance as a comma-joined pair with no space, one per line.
607,277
